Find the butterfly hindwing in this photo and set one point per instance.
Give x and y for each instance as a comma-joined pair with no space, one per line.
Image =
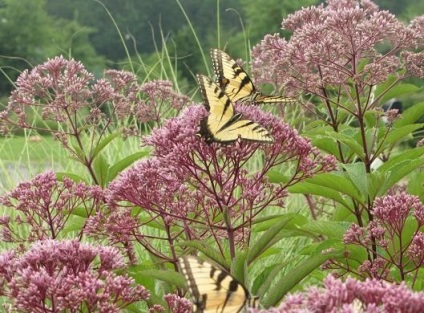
223,124
213,290
235,82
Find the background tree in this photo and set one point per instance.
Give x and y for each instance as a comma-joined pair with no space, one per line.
29,36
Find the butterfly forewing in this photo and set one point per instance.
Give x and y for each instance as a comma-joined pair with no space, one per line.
213,290
232,78
235,82
223,124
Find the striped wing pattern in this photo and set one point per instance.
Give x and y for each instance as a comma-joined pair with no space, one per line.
213,290
223,124
235,82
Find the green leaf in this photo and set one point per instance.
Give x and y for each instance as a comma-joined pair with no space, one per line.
376,181
370,118
119,166
334,181
277,177
295,276
350,142
263,281
397,172
399,90
382,87
400,133
330,229
171,277
263,242
74,224
358,176
419,280
80,155
316,248
103,143
137,307
101,169
407,155
415,186
76,178
411,115
265,223
324,138
395,169
149,279
239,268
409,230
325,145
343,213
356,253
80,212
315,189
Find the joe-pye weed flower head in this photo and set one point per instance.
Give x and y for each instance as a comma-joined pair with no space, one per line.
65,92
203,189
395,230
352,296
45,205
80,111
335,48
58,276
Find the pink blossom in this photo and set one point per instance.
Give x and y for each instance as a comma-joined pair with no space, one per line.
156,308
178,142
352,296
65,93
45,205
416,249
394,210
177,304
392,240
414,63
62,88
189,184
330,43
56,276
354,234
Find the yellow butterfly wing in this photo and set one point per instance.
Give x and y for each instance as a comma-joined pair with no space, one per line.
223,124
238,86
213,290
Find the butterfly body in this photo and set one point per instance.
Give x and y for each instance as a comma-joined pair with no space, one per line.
223,124
235,82
213,290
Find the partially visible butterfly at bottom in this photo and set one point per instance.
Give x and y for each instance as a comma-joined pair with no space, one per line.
213,289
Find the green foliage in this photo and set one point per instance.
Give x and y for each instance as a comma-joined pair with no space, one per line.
15,148
29,36
27,43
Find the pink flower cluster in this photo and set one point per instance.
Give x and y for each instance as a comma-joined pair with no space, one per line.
63,91
45,205
177,304
57,276
188,184
392,240
337,45
351,296
80,111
